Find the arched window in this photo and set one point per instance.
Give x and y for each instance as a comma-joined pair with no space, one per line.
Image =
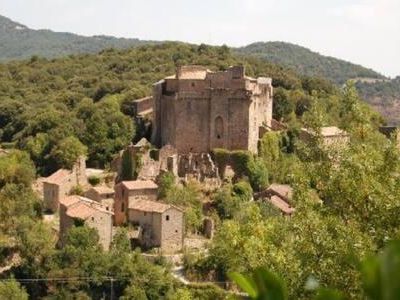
219,127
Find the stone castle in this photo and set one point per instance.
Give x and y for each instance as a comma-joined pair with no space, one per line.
197,110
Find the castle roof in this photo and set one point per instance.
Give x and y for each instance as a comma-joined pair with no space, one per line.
139,184
192,72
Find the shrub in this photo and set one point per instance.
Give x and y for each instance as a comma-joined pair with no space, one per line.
94,180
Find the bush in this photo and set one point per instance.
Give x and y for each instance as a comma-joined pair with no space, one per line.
166,182
77,190
94,180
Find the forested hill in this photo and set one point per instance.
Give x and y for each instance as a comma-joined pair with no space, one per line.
384,96
17,41
44,102
307,62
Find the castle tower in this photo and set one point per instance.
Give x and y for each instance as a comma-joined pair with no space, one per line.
197,110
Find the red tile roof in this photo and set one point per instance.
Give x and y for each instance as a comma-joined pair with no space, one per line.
70,200
58,177
139,184
80,211
83,208
282,190
103,190
281,205
150,206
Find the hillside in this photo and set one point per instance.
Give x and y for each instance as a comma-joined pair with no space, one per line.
384,96
307,62
42,102
17,41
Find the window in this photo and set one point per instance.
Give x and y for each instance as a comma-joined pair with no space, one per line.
219,127
122,206
92,218
193,84
176,231
167,217
144,213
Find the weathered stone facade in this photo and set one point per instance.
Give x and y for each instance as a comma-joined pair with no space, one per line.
161,225
103,195
76,210
59,184
198,110
131,191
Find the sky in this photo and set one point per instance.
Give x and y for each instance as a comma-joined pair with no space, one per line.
366,32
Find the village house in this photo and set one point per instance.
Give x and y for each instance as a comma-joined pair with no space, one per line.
127,192
331,135
280,196
77,211
103,195
197,110
59,184
160,225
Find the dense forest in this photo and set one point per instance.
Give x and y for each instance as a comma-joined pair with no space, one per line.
346,198
17,41
78,102
307,62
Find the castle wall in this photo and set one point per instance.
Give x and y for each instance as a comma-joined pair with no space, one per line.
199,110
193,125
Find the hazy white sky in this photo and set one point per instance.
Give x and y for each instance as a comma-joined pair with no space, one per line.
362,31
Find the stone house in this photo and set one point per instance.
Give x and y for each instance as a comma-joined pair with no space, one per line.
197,110
103,195
160,225
131,191
280,196
331,135
59,184
78,211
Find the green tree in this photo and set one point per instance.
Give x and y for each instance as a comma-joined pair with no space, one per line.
67,152
12,290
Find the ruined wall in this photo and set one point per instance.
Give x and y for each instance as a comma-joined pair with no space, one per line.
79,172
151,226
199,166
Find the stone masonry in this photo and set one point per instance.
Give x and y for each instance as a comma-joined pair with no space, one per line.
197,110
